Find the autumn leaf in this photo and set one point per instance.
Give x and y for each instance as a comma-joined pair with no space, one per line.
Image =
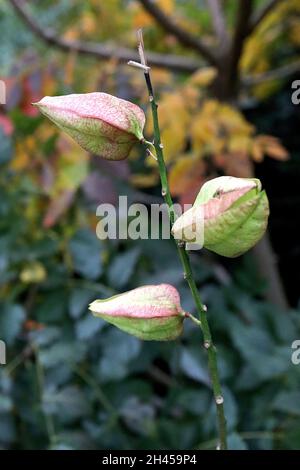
174,122
270,146
236,164
203,77
186,177
33,273
142,19
57,207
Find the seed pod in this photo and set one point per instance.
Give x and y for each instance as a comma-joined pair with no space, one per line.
148,312
234,211
100,123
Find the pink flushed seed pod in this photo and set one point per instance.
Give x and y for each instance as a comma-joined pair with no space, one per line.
234,214
100,123
150,312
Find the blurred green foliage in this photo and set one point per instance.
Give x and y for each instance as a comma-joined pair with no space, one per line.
74,382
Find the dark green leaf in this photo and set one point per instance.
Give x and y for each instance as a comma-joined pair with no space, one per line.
122,267
11,320
85,249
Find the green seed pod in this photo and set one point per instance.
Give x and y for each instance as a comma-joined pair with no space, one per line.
148,312
235,214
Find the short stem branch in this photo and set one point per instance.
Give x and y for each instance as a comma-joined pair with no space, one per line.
191,317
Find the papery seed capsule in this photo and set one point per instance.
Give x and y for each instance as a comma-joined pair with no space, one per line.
234,212
149,312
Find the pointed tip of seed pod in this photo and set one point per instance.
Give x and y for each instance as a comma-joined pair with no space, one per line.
94,307
229,216
92,304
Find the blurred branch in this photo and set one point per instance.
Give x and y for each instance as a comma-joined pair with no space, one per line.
228,83
40,380
91,382
218,20
260,15
160,376
19,359
183,36
267,265
277,74
103,51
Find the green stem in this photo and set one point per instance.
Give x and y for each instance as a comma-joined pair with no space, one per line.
98,391
188,275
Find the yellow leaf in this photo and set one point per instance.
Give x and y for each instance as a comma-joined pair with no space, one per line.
142,19
33,273
174,140
233,120
21,158
191,95
161,77
72,166
25,151
277,151
185,174
174,121
70,68
240,144
204,132
257,151
210,107
294,32
266,89
49,84
166,5
71,34
204,128
172,105
88,24
272,147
